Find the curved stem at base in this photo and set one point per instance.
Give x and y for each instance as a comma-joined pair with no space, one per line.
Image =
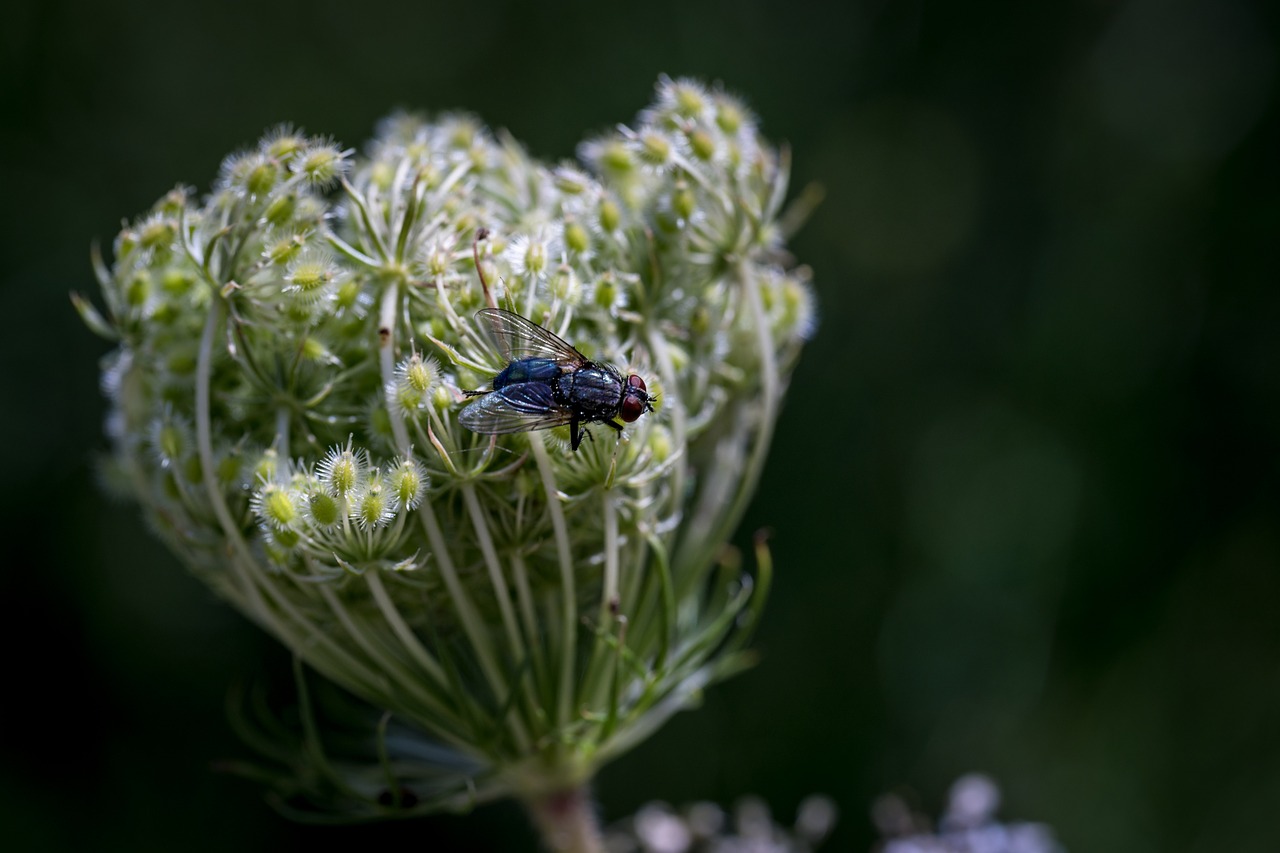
566,821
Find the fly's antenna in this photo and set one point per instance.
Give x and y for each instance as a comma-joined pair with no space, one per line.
482,234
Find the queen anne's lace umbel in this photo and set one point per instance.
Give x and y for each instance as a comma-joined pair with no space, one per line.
285,399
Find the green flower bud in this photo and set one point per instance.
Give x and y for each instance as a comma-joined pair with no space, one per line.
276,506
138,289
382,175
321,164
606,292
564,285
283,143
729,117
571,182
420,374
438,260
267,466
281,209
158,234
429,176
284,249
312,276
176,282
342,470
262,178
683,202
616,158
610,216
441,399
313,349
462,135
407,484
170,442
287,539
689,100
654,149
576,237
660,444
372,507
324,509
702,145
173,202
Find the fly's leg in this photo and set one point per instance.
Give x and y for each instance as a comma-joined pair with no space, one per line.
576,433
613,469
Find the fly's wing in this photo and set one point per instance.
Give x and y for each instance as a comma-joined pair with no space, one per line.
519,338
522,407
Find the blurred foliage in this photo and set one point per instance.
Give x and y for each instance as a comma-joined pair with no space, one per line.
1023,491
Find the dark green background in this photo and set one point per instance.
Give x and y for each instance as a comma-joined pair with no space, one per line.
1024,490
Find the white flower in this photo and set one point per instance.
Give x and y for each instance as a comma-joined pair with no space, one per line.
533,254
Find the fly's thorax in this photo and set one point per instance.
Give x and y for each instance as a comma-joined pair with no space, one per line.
594,391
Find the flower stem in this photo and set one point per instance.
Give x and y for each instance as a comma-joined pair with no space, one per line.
566,821
570,604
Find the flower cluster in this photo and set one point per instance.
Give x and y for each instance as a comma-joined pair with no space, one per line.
705,828
968,825
292,352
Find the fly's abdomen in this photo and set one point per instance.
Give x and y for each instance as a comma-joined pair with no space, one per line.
527,370
594,392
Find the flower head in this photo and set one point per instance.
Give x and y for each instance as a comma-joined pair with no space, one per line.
968,825
286,398
705,828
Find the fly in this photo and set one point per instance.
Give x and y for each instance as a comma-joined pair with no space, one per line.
548,383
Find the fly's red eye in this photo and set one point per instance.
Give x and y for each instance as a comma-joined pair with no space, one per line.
632,408
636,382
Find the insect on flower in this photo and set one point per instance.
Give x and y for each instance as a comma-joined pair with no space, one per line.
548,383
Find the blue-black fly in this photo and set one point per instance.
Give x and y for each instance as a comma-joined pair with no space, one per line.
548,383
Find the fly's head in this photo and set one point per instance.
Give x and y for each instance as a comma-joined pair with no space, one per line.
635,399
